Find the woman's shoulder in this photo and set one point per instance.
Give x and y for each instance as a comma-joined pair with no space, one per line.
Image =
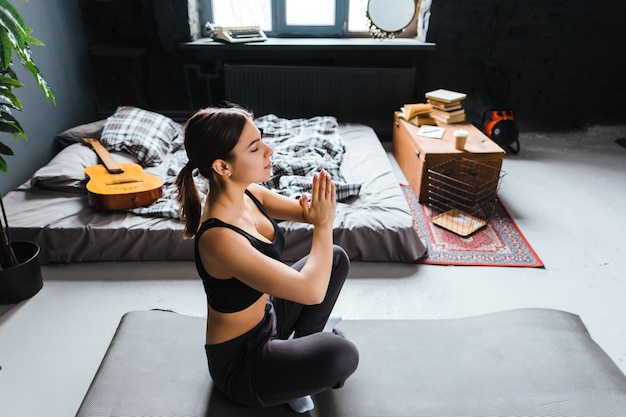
216,236
265,196
258,191
216,227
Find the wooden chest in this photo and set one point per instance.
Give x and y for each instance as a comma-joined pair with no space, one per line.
417,154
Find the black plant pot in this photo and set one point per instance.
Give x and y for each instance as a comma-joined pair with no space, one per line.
24,280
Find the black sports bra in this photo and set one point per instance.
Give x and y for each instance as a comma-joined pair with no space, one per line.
231,295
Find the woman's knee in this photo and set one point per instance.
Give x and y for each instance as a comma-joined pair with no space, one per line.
345,361
340,256
341,261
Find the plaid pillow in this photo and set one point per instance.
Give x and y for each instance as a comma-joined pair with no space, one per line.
146,135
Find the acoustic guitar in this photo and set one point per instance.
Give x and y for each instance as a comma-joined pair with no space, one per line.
115,186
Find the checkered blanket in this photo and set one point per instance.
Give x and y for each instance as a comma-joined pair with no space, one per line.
301,148
167,206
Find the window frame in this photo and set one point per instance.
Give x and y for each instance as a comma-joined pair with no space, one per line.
281,29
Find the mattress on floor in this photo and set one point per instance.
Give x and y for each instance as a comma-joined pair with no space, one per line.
375,226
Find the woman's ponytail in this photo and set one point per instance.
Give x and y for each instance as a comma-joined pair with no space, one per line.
189,200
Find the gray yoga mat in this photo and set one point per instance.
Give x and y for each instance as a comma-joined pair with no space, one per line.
526,362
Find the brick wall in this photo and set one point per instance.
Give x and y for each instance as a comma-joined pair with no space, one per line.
555,63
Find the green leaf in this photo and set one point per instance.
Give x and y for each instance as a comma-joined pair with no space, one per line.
10,9
30,40
8,119
3,165
5,150
11,99
7,49
10,81
13,130
9,71
30,65
14,24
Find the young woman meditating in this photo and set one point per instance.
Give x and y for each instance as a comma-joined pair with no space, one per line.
264,340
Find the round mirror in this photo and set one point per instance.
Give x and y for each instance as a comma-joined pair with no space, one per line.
387,18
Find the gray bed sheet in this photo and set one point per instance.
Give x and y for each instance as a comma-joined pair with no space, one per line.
375,226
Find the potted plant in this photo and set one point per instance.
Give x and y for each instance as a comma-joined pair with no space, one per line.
20,275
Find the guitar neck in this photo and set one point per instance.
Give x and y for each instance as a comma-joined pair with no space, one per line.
111,165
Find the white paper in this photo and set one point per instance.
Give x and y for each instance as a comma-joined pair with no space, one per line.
434,132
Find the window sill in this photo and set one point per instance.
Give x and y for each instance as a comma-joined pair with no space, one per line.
313,44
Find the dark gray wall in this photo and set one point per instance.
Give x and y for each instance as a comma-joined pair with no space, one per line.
556,63
64,64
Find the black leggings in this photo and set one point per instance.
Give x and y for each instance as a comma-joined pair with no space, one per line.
265,367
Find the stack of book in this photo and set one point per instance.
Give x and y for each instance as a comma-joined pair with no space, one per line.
417,114
446,104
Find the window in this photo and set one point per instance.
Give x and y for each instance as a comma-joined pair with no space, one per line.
336,18
240,12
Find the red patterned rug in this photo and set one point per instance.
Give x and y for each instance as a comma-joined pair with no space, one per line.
499,243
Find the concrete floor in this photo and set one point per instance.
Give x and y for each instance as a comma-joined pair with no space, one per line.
564,190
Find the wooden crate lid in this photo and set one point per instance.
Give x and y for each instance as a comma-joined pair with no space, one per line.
477,141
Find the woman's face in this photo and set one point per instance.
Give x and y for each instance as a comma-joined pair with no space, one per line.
251,162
